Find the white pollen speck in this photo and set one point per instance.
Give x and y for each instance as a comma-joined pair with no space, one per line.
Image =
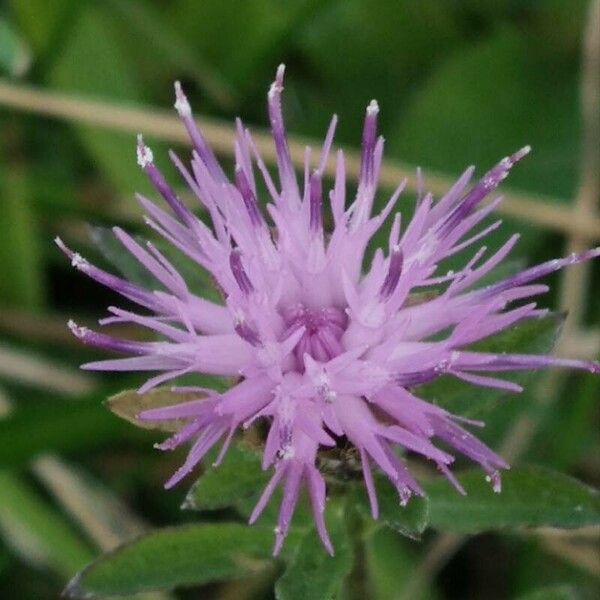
274,90
182,106
373,107
144,154
287,453
77,330
489,182
78,261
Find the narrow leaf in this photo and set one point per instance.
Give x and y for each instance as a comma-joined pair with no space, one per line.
555,592
390,563
62,426
410,520
15,57
129,404
36,530
112,250
312,573
239,477
172,557
533,336
530,497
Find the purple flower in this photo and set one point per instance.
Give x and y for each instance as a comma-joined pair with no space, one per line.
324,347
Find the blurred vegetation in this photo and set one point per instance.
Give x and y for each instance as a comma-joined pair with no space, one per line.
459,82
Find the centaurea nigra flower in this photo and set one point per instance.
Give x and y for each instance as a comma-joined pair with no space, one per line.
323,347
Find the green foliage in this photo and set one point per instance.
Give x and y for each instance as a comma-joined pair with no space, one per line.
555,592
92,63
410,520
479,124
129,404
530,497
22,281
390,562
533,336
235,481
59,426
14,55
311,572
238,483
36,530
176,556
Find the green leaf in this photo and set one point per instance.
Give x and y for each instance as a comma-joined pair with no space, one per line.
533,336
129,404
198,280
60,426
91,63
144,24
491,98
41,22
22,281
237,479
390,563
238,483
36,530
410,520
178,556
345,80
118,256
530,497
14,54
570,424
312,573
554,592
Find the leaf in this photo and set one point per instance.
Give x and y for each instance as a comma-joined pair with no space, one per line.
197,279
144,24
22,281
98,511
490,98
238,483
532,336
91,63
345,80
42,22
6,406
176,556
530,497
554,592
36,530
115,253
390,563
410,520
570,424
62,426
239,477
15,57
312,573
129,404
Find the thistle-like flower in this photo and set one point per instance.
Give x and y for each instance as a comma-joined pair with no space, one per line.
324,348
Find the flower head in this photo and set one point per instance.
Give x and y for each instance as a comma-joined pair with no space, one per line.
323,347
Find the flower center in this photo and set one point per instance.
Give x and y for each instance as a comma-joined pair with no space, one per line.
324,330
